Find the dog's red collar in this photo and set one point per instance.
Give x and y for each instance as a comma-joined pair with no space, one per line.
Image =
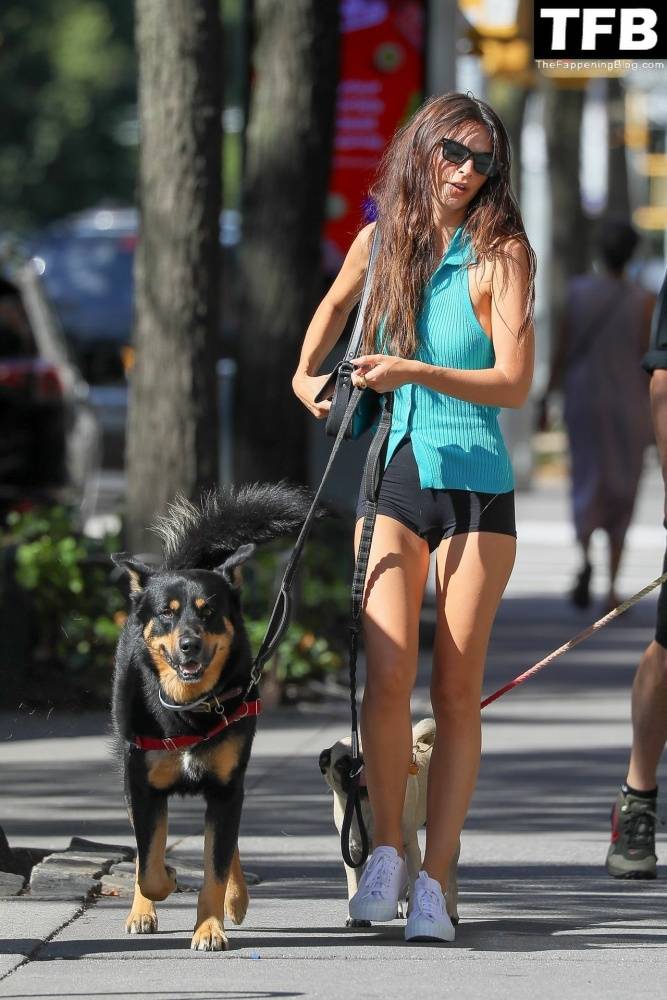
245,709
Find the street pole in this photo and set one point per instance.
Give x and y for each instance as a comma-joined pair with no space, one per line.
442,20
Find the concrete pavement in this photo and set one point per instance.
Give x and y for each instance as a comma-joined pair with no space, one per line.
538,913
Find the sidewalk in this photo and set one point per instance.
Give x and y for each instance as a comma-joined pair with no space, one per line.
538,913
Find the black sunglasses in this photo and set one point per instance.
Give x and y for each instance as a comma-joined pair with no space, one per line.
456,152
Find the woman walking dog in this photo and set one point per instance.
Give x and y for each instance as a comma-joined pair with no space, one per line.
448,329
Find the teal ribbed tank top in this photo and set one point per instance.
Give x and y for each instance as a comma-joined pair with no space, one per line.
457,445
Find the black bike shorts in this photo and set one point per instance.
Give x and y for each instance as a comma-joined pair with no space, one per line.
661,623
437,514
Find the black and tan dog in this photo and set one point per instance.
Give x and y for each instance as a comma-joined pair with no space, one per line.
184,715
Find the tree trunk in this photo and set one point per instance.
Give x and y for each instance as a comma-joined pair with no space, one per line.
509,100
172,425
563,113
618,194
286,178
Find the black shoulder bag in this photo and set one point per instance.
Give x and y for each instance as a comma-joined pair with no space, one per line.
368,408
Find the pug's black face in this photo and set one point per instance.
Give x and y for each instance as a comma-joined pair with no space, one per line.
338,768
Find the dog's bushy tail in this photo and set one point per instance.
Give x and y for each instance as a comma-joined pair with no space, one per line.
201,536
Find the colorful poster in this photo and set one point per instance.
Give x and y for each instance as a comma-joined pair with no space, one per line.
381,84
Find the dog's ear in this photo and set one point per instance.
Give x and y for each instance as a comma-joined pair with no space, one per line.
230,568
137,571
325,760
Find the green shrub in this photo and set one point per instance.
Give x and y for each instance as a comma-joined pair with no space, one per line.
316,641
78,610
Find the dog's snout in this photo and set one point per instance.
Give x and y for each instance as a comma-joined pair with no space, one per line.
325,760
190,645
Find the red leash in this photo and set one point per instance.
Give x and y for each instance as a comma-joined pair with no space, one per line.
571,643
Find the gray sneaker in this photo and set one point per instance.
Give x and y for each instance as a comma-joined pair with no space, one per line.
631,853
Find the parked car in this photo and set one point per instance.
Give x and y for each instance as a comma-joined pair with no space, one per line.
86,263
49,445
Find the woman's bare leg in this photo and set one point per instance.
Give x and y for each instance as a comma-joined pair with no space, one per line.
472,573
397,573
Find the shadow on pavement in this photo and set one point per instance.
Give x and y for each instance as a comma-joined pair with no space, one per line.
538,791
509,908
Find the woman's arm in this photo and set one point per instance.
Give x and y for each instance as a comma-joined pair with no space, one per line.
506,384
329,322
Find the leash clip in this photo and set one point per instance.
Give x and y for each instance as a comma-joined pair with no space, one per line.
169,744
219,708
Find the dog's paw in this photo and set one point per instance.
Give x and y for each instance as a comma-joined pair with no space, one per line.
236,904
209,936
141,922
351,922
158,888
454,917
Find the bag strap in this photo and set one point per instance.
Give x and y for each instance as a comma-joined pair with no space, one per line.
358,328
371,482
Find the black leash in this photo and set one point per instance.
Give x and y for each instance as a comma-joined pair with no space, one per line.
280,614
371,483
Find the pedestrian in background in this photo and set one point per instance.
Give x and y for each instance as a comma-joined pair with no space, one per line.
631,853
604,333
448,328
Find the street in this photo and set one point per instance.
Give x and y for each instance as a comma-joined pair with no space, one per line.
538,913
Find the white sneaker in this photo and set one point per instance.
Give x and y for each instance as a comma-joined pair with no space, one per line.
384,881
428,919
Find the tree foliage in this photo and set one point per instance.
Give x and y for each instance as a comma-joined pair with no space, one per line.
67,79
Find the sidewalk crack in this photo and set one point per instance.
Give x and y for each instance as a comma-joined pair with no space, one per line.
34,953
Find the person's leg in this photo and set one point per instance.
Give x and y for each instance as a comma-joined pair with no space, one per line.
397,572
631,853
616,543
584,548
472,573
649,718
580,593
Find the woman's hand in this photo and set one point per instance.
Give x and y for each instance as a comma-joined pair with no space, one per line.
382,372
306,388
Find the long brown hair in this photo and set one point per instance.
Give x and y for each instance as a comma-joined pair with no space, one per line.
410,250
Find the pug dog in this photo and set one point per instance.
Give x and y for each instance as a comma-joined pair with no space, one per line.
335,765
